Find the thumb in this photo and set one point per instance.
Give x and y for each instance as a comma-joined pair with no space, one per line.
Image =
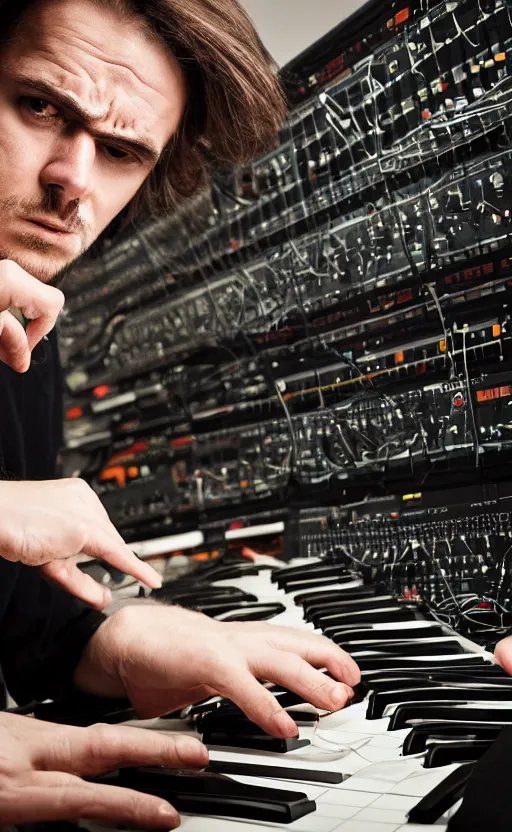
14,348
66,574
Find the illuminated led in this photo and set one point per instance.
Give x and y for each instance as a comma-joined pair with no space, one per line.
496,330
442,345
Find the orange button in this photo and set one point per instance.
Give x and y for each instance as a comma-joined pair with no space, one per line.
401,16
496,331
117,473
133,471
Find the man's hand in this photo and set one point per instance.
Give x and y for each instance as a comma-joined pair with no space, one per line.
164,658
46,524
41,766
39,303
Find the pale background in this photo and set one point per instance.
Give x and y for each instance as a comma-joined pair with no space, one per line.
289,26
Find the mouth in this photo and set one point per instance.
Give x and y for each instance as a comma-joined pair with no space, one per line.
49,228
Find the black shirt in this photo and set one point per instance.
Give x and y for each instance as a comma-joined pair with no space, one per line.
43,630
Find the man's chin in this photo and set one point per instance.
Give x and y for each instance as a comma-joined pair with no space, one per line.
46,267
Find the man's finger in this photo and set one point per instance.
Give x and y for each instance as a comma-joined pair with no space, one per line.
66,574
105,545
318,651
14,347
503,654
102,748
291,671
256,702
50,796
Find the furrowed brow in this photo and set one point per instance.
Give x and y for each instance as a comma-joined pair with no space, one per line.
56,96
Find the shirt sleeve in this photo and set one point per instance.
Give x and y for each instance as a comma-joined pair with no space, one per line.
43,634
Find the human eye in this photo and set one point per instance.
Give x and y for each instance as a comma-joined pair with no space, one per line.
118,154
39,108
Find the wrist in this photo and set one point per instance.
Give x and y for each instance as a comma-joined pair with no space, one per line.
99,670
96,674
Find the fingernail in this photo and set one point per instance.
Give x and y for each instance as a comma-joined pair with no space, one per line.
169,816
152,579
286,726
340,696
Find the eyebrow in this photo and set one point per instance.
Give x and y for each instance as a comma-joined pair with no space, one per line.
145,149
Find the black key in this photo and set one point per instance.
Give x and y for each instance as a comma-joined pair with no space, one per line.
386,616
461,751
205,594
402,663
204,793
259,742
380,700
481,673
329,595
237,570
232,723
286,699
309,583
338,607
362,634
442,798
418,738
299,573
222,608
406,715
255,612
84,711
278,772
421,647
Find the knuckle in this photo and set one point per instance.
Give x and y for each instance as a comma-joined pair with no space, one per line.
102,736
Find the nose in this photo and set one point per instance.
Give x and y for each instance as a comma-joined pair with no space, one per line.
70,168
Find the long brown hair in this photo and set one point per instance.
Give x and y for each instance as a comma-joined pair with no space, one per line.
235,101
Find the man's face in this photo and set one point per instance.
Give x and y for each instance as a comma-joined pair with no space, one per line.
76,172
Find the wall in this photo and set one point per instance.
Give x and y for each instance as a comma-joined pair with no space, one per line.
289,26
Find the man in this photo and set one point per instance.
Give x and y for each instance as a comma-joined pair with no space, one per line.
104,111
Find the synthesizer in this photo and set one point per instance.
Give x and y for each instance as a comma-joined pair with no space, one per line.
331,321
430,704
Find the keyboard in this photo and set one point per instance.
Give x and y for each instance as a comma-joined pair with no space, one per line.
362,769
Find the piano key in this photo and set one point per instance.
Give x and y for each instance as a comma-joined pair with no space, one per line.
314,610
298,573
379,701
276,772
358,592
418,738
409,647
260,742
386,615
445,795
425,630
410,714
459,751
300,584
216,794
251,612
